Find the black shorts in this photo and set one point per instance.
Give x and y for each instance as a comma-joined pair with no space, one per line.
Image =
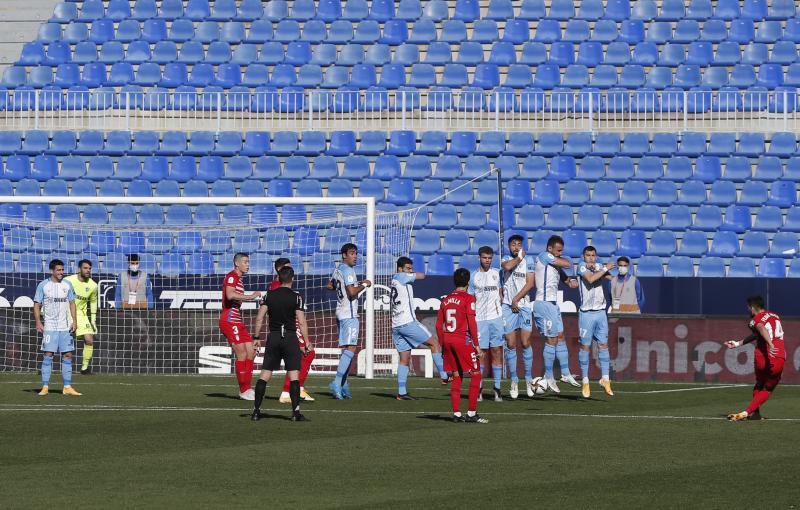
284,348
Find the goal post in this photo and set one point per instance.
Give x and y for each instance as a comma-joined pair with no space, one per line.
33,232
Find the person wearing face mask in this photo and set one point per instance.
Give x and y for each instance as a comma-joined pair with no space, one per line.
626,291
134,290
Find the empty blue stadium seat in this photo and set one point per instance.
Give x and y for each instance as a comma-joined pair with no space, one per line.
649,266
632,243
741,268
679,266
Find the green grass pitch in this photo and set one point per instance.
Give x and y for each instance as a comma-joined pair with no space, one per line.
186,442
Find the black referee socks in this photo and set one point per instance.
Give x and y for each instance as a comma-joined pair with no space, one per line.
294,393
261,388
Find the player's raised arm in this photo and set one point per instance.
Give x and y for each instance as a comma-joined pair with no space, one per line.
513,262
732,344
234,295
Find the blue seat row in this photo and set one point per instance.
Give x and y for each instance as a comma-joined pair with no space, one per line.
468,10
377,80
502,53
247,10
440,264
707,157
397,31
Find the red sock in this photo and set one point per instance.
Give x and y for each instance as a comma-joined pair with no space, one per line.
455,393
242,375
474,391
759,398
305,367
250,364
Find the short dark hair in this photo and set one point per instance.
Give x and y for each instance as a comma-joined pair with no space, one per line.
756,302
133,257
554,240
347,247
280,262
515,237
623,258
84,261
588,249
286,274
461,277
402,261
55,263
485,250
239,256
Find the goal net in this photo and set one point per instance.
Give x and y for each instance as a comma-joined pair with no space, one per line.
185,247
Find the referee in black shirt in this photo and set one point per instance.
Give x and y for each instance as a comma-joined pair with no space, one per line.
286,310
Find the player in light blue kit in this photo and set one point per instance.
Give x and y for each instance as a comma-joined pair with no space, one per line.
519,281
347,287
550,266
55,298
484,284
407,332
592,318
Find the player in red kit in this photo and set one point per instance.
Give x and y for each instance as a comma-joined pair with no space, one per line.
308,349
770,355
232,325
461,352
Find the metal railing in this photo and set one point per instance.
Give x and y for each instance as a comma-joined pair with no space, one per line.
478,110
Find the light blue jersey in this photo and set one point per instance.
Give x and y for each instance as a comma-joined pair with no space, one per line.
402,299
592,319
55,298
344,276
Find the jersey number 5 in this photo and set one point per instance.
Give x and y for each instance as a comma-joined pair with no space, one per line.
450,320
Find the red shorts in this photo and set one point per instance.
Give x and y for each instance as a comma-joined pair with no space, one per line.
461,357
235,332
768,370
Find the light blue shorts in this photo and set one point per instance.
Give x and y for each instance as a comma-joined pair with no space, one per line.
548,318
58,341
514,321
409,336
490,333
593,325
348,332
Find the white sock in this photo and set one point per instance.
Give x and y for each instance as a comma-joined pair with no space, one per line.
471,413
457,415
585,380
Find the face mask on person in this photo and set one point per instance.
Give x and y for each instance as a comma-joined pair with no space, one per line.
623,270
134,268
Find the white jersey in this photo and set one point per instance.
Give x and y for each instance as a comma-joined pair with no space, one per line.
515,280
547,277
485,286
592,296
55,298
344,276
402,299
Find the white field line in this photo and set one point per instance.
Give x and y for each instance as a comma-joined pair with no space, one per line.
283,411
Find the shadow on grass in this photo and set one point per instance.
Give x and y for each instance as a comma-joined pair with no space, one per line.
436,417
227,396
36,391
265,416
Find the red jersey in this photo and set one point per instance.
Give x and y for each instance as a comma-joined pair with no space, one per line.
457,318
231,308
274,285
773,325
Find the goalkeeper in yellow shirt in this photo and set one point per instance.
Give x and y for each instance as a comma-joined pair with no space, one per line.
86,302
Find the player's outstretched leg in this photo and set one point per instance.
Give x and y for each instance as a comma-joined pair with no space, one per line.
86,355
